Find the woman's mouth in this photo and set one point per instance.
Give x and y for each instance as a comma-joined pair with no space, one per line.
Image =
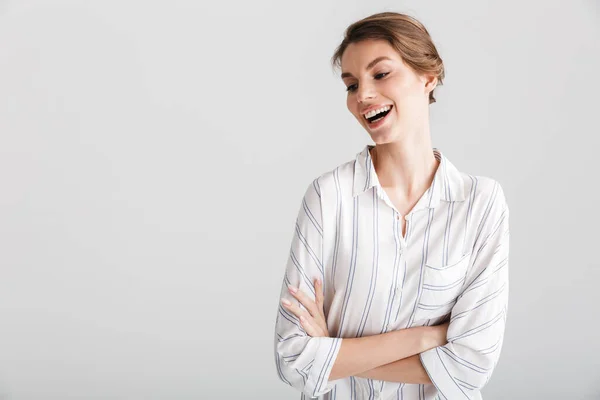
376,120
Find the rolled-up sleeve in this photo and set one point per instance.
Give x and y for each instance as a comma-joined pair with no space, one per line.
302,361
464,365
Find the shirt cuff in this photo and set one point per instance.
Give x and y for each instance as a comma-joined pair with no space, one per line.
439,374
325,355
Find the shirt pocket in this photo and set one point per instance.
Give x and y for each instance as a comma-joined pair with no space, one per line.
441,287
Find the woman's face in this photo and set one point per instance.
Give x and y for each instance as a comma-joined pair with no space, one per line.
376,77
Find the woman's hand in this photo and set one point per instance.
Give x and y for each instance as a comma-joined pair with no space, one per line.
313,318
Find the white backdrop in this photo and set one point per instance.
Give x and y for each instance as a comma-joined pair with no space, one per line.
153,156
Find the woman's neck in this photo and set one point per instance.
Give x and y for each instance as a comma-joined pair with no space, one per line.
406,167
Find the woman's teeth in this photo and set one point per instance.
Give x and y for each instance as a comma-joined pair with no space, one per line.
376,115
373,113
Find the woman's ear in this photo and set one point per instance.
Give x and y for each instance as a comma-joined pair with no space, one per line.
430,83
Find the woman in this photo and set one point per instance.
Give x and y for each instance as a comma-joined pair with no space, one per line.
397,281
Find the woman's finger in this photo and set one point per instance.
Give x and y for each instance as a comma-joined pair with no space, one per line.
319,293
307,302
294,308
311,325
303,316
308,327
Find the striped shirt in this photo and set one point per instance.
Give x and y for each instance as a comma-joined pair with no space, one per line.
451,265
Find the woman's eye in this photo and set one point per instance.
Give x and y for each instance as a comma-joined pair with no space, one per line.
382,75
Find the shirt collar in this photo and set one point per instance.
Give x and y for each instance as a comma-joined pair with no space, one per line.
447,184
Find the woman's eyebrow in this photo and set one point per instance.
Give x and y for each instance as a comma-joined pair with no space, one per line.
371,65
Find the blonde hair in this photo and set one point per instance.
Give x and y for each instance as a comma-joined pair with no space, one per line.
405,34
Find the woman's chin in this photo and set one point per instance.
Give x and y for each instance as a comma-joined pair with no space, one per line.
381,135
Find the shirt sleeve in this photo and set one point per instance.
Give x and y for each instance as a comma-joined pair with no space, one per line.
302,361
464,365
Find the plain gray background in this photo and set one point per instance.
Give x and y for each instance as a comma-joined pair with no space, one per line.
153,156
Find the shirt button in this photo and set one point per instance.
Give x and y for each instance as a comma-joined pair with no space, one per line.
397,216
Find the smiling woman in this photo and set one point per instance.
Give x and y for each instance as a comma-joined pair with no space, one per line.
396,285
406,35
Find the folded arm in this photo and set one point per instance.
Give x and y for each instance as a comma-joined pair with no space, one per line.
388,354
464,360
313,364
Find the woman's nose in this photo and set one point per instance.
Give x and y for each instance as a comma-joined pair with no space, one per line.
365,92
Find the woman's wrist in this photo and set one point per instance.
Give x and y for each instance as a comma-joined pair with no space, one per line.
434,336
